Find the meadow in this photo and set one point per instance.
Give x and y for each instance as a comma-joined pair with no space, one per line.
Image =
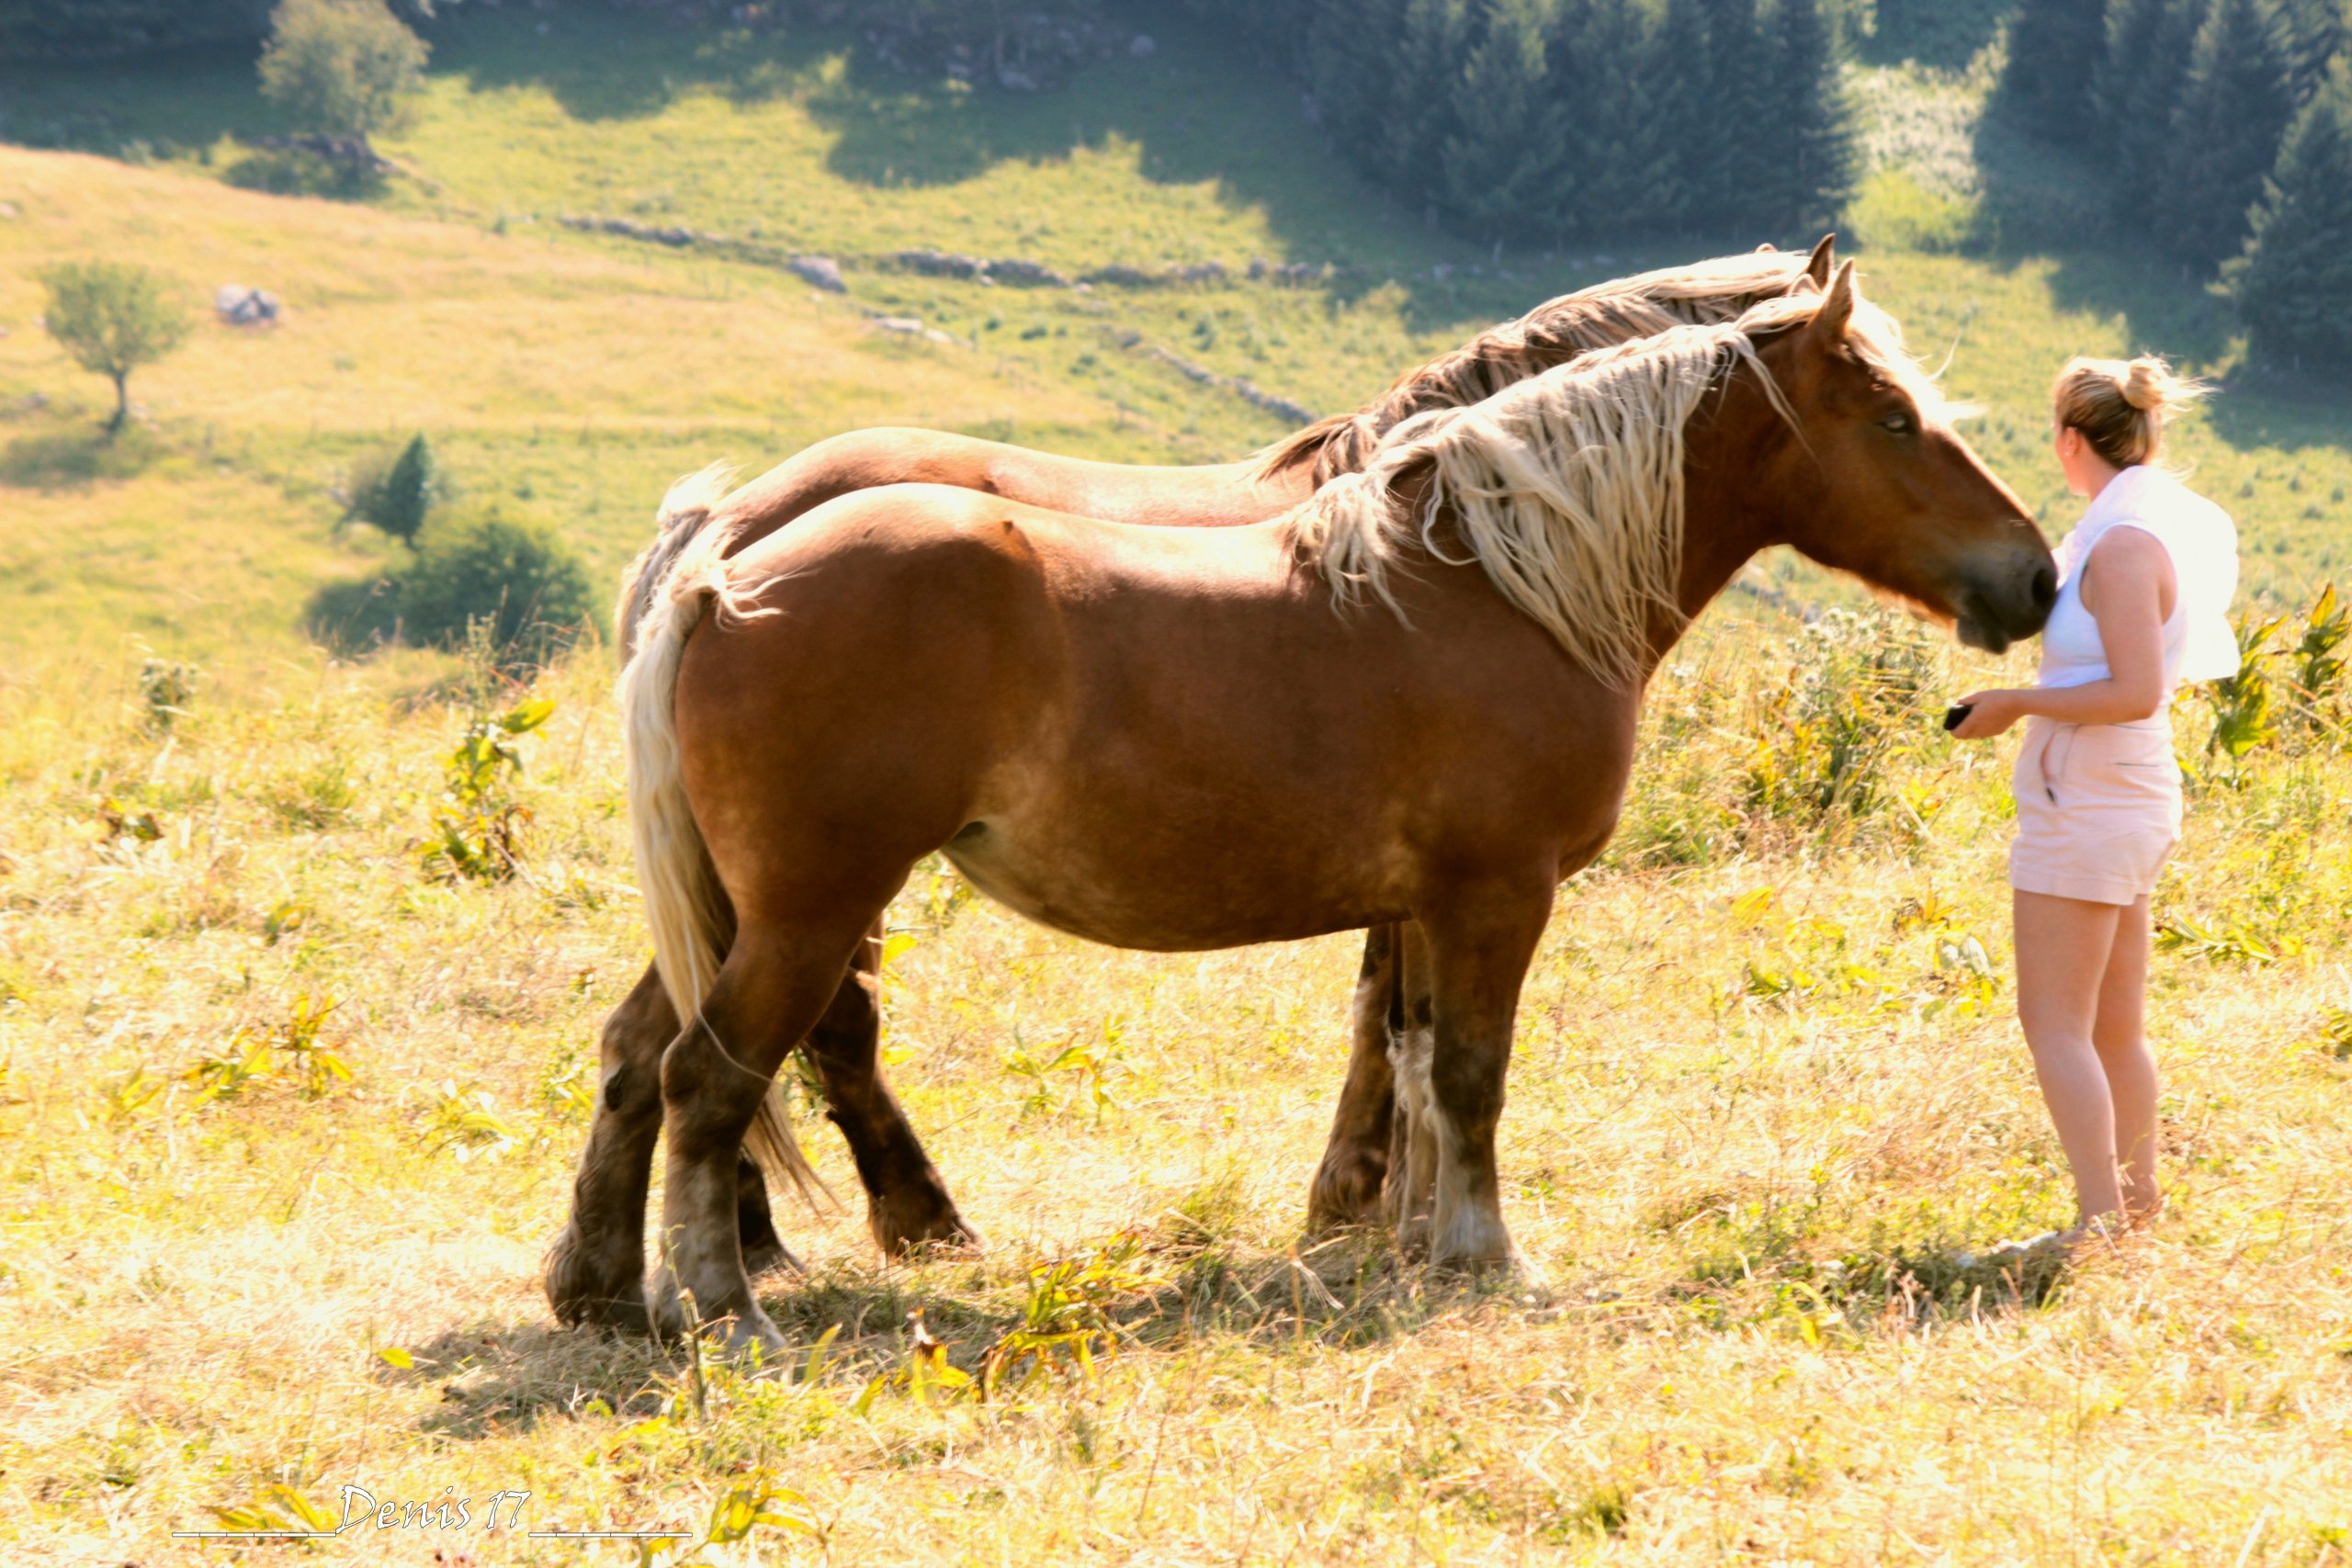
287,1117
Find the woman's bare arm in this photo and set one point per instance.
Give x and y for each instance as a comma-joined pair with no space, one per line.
2129,598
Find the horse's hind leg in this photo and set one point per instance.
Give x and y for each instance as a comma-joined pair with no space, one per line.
1347,1185
596,1272
769,993
907,1203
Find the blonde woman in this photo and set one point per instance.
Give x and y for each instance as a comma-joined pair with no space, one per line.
2145,581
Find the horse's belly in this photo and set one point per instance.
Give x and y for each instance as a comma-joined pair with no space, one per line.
1147,900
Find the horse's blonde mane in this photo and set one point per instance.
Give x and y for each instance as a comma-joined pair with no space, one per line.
1566,489
1559,330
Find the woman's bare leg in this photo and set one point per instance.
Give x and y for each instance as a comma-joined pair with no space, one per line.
2063,949
2130,1066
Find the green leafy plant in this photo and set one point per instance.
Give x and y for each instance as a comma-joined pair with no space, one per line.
1827,738
2317,673
1065,1319
467,1124
166,687
2243,716
2234,943
1058,1080
256,1052
479,824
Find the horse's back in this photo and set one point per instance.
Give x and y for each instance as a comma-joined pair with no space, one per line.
1208,496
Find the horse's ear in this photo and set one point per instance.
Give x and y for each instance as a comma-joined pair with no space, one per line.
1837,308
1824,257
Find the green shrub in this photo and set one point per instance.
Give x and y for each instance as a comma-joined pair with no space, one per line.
499,569
341,67
506,569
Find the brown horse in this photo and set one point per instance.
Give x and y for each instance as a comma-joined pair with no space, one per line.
591,1265
1412,698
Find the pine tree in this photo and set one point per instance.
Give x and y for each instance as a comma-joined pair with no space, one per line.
1617,178
2055,49
2317,31
1425,93
398,495
1737,169
2294,283
1681,96
2148,46
1352,63
1502,164
2224,137
82,29
1811,123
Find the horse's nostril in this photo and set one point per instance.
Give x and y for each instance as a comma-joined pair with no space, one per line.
2045,588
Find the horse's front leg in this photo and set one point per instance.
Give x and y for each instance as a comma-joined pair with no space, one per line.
1346,1191
1480,943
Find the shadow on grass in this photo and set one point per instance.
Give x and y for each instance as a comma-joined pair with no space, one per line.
1196,110
62,459
1353,1293
2270,408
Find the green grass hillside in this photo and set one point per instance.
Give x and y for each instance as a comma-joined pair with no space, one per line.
493,327
1770,1109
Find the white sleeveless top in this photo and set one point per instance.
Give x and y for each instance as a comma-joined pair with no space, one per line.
2203,545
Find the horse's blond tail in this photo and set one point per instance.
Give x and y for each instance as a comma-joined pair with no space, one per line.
694,924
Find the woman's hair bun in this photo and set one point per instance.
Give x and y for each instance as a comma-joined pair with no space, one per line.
2148,383
2121,406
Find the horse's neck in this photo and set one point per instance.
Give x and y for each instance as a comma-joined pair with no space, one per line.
1723,524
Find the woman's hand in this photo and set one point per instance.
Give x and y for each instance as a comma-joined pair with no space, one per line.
1989,713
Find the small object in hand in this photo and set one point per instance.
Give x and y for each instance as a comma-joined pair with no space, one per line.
1956,715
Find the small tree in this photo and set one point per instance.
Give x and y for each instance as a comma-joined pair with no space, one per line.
341,67
396,495
113,317
2294,283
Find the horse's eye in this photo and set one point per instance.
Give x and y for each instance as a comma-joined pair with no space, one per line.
1900,422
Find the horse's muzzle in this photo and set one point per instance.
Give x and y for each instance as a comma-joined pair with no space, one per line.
2008,603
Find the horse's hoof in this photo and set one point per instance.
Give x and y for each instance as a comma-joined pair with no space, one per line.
768,1255
907,1224
752,1337
591,1293
1510,1268
1346,1195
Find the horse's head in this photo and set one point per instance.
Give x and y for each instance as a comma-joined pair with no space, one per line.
1875,481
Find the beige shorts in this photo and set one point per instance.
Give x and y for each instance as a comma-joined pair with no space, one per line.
2099,810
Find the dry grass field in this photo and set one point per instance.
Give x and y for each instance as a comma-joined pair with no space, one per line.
288,1118
1768,1119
